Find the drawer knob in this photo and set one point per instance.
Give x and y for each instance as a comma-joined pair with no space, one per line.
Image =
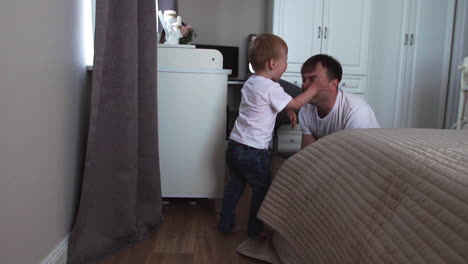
292,140
295,82
344,84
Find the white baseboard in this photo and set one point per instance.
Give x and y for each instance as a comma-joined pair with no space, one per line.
59,254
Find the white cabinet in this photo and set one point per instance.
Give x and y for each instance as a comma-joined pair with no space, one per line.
346,33
409,61
356,84
289,139
192,97
339,28
297,22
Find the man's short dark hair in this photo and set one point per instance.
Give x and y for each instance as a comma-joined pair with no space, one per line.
334,70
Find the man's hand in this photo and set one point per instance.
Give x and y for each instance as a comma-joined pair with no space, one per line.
292,118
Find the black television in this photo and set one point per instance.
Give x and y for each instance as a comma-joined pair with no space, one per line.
230,57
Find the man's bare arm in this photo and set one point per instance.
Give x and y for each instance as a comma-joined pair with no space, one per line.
307,140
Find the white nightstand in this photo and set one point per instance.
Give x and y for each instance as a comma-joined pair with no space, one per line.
192,164
289,139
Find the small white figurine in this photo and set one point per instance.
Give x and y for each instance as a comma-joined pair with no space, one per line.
171,24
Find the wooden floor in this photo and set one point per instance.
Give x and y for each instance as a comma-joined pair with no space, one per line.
188,235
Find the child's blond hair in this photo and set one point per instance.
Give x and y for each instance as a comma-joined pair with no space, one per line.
264,47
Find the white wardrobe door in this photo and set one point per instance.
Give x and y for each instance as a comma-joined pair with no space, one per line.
407,70
387,62
298,22
430,57
346,33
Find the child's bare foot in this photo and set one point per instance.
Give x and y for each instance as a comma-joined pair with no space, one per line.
236,229
265,235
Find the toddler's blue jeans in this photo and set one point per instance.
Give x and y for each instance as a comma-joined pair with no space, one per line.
246,165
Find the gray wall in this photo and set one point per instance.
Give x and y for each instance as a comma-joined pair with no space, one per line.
42,126
225,22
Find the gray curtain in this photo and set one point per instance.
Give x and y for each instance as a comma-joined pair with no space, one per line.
120,200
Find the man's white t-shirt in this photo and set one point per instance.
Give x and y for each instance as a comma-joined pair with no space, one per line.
349,112
262,99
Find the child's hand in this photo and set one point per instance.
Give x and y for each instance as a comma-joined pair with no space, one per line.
315,84
292,118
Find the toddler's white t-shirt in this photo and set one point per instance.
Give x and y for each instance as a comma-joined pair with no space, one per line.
349,112
262,99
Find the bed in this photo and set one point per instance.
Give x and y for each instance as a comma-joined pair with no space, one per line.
371,196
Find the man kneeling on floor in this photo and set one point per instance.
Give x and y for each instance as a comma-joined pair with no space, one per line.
331,109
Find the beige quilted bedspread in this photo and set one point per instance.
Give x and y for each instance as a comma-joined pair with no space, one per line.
375,196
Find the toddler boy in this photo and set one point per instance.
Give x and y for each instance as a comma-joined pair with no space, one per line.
248,157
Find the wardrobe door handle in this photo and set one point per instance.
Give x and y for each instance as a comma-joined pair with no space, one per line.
319,32
411,39
406,39
325,33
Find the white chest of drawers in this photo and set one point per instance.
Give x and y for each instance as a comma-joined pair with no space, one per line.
289,139
192,97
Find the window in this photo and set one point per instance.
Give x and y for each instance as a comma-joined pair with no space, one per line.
88,11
